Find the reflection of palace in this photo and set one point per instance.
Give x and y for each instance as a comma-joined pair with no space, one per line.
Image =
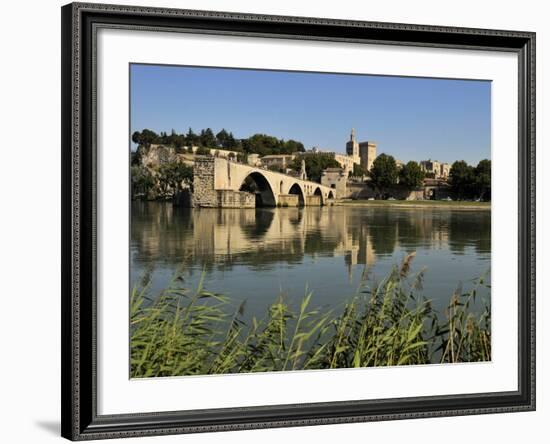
215,237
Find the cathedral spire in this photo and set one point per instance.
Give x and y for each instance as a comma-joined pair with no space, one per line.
352,136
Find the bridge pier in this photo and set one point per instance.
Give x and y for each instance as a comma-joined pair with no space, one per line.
314,201
289,200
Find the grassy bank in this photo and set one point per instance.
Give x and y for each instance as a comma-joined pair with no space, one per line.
418,204
183,332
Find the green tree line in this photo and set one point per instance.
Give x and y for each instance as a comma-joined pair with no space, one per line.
261,144
466,181
385,174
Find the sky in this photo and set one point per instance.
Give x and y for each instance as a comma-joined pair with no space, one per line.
409,118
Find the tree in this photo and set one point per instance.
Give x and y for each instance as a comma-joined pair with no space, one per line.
191,139
146,137
176,140
483,179
275,167
203,151
411,175
461,178
171,176
262,144
222,139
292,146
233,144
142,181
227,141
135,158
358,170
315,164
242,157
207,138
383,173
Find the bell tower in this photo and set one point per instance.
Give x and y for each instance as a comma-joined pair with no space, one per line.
352,147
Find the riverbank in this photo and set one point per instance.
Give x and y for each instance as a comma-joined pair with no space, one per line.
182,332
451,204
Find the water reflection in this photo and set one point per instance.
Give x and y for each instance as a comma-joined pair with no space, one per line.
161,232
265,250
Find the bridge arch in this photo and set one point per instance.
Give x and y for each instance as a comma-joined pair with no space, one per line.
255,182
330,195
297,189
319,193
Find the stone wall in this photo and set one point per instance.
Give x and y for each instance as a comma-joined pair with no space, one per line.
203,183
236,199
361,190
313,201
289,200
153,156
336,179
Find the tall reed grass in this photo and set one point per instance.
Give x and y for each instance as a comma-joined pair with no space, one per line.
184,332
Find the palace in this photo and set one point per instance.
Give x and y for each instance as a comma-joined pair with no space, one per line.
357,153
362,153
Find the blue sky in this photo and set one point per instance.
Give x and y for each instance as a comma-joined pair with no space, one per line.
409,118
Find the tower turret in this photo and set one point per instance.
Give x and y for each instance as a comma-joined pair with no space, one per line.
352,147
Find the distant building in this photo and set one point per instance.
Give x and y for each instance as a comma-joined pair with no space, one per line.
367,154
357,153
335,178
346,162
361,153
280,161
445,170
435,168
352,148
440,170
253,159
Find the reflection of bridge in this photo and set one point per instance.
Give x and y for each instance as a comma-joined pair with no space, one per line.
221,183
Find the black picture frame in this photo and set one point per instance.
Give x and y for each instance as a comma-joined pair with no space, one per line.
79,390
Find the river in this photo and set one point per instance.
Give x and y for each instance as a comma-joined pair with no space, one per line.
255,255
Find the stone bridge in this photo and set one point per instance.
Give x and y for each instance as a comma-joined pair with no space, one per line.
223,183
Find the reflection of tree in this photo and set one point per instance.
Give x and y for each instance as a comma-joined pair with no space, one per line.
413,226
383,232
471,231
153,229
315,242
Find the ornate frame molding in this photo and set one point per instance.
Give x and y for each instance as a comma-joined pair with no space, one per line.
80,22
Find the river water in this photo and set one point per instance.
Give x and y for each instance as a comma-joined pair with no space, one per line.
255,255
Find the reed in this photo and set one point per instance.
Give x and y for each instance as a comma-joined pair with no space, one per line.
184,332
